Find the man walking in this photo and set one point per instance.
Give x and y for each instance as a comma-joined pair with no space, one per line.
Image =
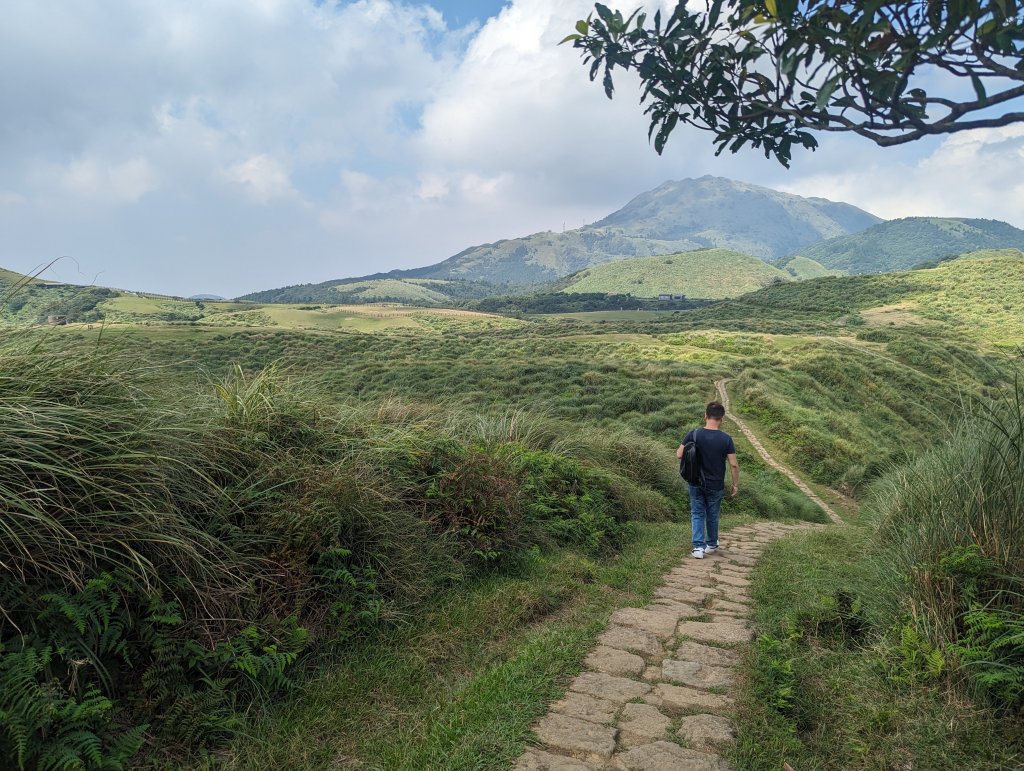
715,448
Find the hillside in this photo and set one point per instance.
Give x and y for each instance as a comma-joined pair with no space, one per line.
677,216
484,503
803,268
979,295
379,288
904,243
705,273
26,300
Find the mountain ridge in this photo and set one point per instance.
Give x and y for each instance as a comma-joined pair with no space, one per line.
907,242
676,216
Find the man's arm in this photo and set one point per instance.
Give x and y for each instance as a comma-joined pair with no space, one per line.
734,470
679,452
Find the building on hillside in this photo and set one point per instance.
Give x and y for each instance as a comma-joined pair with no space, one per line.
664,296
57,321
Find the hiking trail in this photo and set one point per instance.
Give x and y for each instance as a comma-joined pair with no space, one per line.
657,692
724,396
662,676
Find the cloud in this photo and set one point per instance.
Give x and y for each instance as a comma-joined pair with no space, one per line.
100,181
976,173
236,145
263,179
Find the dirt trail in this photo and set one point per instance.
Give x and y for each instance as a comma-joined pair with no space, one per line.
720,385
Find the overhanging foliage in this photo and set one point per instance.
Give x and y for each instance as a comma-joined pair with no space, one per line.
772,72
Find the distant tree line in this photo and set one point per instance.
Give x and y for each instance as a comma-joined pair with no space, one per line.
557,302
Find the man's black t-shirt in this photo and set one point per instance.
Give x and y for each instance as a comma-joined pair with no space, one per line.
714,446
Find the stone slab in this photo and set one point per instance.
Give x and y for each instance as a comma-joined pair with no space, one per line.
715,631
706,732
675,699
614,662
641,724
706,654
539,760
652,674
579,738
627,638
659,623
604,686
697,675
585,707
666,756
725,578
726,618
719,605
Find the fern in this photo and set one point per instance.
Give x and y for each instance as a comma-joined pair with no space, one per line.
45,727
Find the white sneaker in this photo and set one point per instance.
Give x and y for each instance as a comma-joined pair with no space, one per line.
698,554
710,549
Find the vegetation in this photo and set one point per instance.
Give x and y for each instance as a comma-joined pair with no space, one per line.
390,288
200,530
854,645
142,592
802,268
702,274
772,73
577,302
24,300
906,243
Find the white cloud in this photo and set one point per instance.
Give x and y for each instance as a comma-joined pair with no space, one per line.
102,182
313,140
976,173
263,179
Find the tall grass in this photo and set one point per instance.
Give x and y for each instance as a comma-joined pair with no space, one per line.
952,523
95,473
167,556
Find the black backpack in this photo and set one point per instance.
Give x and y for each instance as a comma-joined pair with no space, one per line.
689,464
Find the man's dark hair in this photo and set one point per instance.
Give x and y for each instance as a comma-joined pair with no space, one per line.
714,410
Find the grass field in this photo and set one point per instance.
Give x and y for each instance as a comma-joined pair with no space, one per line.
705,273
431,512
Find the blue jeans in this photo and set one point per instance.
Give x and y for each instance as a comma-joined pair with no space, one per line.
705,507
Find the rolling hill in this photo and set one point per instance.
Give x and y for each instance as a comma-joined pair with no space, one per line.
802,268
28,300
904,243
979,295
677,216
391,287
701,274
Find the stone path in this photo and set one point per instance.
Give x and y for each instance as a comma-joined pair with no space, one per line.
658,690
720,385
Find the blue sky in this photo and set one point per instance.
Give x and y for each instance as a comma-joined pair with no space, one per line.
237,145
462,12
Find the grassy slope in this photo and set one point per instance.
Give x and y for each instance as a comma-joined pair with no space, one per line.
803,268
652,373
372,289
977,296
409,290
826,688
705,273
901,244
